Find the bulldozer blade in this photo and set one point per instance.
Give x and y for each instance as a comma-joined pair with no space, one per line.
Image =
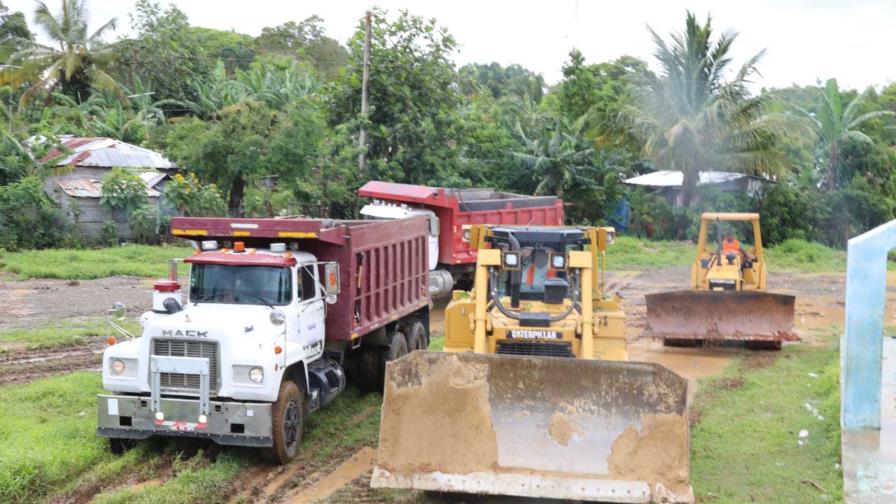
541,427
721,315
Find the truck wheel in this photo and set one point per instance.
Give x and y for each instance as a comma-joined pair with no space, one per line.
287,423
417,339
398,347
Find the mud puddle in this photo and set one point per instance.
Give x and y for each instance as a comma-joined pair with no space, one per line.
356,466
690,363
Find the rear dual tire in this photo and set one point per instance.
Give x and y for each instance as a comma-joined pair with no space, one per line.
373,359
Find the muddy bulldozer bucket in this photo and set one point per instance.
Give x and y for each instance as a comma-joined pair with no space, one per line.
534,427
721,315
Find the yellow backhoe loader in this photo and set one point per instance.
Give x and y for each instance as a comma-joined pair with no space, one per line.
533,395
728,299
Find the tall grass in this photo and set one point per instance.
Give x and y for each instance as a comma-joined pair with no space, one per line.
84,264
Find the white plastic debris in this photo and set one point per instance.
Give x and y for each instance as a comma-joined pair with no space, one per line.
804,434
813,375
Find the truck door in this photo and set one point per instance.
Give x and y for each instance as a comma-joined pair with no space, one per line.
312,313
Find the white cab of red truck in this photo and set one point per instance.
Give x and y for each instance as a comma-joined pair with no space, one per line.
264,334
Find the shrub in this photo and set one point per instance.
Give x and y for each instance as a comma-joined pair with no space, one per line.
28,218
145,222
122,190
190,197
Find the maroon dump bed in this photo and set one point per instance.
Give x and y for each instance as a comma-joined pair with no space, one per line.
383,264
458,207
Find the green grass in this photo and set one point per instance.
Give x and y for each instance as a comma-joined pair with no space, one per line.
61,334
47,435
744,447
630,253
85,264
196,482
805,256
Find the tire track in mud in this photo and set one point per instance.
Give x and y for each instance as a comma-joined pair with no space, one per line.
272,484
25,366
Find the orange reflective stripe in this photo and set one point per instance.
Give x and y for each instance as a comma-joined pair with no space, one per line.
530,275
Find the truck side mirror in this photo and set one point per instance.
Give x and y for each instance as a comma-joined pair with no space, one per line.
331,279
118,310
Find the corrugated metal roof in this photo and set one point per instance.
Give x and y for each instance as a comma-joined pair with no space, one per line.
671,178
108,153
92,188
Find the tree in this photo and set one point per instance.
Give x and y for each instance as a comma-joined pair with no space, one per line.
500,81
165,55
13,26
834,125
692,119
306,42
413,125
247,142
76,65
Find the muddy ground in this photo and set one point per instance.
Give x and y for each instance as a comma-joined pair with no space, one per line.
37,303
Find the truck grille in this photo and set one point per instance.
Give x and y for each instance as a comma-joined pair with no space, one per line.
187,348
543,349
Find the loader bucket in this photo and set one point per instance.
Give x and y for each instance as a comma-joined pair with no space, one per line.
721,315
534,427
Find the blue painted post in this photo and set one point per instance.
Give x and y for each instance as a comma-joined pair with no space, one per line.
862,348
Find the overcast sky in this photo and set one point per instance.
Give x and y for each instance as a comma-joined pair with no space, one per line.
805,40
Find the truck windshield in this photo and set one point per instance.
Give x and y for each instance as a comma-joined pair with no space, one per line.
262,285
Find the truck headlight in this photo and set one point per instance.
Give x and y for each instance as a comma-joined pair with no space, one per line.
256,374
117,366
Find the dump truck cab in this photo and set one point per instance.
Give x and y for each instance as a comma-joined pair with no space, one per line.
538,291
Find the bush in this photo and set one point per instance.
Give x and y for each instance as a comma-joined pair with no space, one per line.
28,218
191,197
145,223
122,190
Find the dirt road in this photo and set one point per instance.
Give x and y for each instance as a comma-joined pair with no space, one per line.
31,304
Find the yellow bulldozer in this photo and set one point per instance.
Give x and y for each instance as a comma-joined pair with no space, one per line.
728,299
533,394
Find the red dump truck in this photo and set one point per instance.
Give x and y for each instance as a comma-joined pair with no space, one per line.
451,259
276,312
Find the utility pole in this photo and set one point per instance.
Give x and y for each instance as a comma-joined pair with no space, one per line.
365,77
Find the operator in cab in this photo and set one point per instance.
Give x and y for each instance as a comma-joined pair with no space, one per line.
732,246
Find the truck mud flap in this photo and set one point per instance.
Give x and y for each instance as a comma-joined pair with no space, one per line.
534,427
721,315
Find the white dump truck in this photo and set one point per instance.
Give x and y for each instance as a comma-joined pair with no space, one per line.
277,310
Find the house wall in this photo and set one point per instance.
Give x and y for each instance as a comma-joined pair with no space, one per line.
91,215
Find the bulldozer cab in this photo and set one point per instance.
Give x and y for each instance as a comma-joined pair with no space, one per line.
729,253
541,272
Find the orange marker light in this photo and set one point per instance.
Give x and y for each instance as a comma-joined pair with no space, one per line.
278,349
239,246
111,340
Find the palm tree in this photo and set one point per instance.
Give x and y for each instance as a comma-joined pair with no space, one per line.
75,64
692,119
833,125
